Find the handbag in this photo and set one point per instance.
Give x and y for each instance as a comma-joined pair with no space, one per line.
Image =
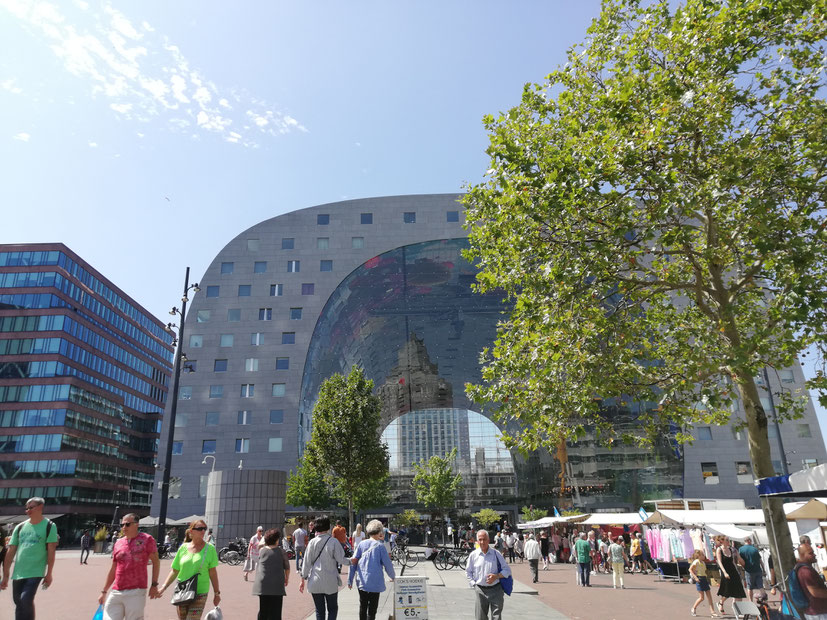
506,582
187,590
99,613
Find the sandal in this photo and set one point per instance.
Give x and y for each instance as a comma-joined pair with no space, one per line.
692,611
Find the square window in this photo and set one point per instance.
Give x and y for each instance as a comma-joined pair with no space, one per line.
244,290
704,432
242,446
326,265
248,390
265,314
809,463
743,472
226,340
452,216
260,266
219,366
244,417
196,341
216,391
287,243
288,337
282,363
234,315
276,290
181,420
256,339
177,448
366,218
409,217
202,316
786,375
804,431
322,243
276,416
212,291
211,418
293,266
278,389
295,314
251,364
710,473
185,393
208,446
252,245
308,288
227,267
357,243
323,219
274,445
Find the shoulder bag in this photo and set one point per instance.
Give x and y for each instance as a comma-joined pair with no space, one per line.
187,590
506,582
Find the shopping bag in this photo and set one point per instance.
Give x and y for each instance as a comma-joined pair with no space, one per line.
99,613
215,614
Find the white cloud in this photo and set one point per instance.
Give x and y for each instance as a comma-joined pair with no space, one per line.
93,145
143,74
22,136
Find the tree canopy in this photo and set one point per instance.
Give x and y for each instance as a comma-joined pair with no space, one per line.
486,517
435,482
656,210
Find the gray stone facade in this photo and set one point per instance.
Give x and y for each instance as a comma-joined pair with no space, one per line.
239,500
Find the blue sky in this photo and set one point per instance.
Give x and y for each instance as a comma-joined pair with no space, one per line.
146,135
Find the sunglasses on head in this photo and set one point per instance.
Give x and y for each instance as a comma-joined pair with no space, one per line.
198,529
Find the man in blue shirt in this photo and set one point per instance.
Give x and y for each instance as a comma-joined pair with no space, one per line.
486,566
753,568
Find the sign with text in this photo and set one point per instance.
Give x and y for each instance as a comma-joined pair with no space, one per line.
410,598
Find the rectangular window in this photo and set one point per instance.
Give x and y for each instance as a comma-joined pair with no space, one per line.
181,420
202,485
185,393
244,290
288,337
265,314
786,375
252,245
804,431
322,243
226,340
260,266
256,339
357,243
743,472
293,266
274,445
282,363
174,487
323,219
295,314
202,316
212,291
326,265
216,391
227,267
809,463
409,217
366,218
776,465
710,473
251,364
704,432
244,417
765,403
452,216
308,288
276,416
278,389
234,315
211,418
248,390
738,433
276,290
219,366
242,446
287,243
772,431
177,448
208,446
196,341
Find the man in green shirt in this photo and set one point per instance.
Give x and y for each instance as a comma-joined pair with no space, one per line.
583,551
33,543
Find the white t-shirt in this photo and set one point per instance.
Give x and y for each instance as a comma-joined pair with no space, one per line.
300,538
357,538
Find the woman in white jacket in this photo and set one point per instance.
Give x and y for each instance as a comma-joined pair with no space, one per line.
320,570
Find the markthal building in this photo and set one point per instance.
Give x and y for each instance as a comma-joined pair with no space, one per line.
380,283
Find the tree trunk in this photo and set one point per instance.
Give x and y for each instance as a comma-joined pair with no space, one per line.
781,544
350,525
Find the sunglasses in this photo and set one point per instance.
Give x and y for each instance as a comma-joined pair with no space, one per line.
127,524
198,529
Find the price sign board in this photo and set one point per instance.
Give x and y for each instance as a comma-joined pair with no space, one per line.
410,598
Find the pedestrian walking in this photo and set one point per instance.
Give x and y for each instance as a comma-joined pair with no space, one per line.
299,544
545,547
340,534
533,553
209,538
566,547
617,556
583,552
253,547
367,564
272,576
358,536
486,566
195,557
731,587
3,550
697,570
321,574
753,568
127,575
812,585
636,553
510,544
32,549
85,546
556,546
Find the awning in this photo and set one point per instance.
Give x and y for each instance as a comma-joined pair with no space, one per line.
731,531
19,518
152,522
615,518
810,482
549,521
186,520
814,509
705,517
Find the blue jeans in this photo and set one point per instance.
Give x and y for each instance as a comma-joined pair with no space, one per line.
23,591
585,571
332,601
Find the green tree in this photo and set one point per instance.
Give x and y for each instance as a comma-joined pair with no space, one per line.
345,446
307,487
436,484
486,517
655,209
530,513
372,495
407,518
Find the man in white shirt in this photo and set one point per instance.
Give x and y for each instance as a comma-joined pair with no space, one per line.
300,543
486,566
532,554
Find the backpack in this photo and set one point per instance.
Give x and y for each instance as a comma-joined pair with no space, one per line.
794,589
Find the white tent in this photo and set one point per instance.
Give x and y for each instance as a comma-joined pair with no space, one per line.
614,518
549,521
704,517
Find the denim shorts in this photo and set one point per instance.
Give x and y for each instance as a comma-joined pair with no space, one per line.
702,585
755,581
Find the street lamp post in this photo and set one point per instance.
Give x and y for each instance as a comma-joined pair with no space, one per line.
162,517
